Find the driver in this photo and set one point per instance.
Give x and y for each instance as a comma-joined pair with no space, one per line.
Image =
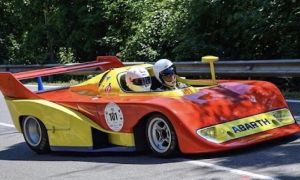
138,79
165,73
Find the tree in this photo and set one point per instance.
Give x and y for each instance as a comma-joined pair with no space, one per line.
235,29
154,32
33,31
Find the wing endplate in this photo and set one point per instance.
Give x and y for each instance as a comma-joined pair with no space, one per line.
13,88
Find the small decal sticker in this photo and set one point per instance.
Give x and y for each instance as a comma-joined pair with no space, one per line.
187,91
113,116
107,88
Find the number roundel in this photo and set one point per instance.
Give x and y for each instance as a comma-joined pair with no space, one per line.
113,116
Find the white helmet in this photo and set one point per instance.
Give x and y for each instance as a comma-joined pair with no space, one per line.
138,79
165,72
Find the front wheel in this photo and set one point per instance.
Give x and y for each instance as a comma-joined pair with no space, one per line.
35,135
161,136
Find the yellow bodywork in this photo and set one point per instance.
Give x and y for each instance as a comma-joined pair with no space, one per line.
211,60
97,85
65,127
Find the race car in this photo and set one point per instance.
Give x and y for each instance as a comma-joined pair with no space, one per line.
103,114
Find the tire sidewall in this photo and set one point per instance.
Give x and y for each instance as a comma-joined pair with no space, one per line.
172,149
43,145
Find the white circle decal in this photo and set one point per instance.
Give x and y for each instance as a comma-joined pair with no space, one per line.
113,116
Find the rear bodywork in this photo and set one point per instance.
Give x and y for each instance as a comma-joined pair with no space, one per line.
207,116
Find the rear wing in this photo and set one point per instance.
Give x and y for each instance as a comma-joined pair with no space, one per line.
102,62
11,86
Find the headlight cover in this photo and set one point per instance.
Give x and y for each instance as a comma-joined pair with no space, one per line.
247,126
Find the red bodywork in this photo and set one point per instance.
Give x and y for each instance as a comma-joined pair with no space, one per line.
225,102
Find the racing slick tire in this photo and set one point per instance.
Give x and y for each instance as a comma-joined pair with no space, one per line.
35,135
161,136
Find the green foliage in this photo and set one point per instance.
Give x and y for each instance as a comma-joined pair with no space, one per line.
34,31
235,29
66,55
154,33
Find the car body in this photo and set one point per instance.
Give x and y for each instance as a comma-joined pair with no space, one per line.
100,113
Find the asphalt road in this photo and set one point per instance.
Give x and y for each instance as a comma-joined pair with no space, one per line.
273,160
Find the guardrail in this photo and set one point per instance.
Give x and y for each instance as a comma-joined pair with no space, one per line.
257,68
252,68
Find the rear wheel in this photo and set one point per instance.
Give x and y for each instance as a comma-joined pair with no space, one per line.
35,135
161,136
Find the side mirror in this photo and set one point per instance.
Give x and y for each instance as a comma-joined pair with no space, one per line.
211,60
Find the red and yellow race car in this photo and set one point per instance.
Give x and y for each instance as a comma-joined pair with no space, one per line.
101,113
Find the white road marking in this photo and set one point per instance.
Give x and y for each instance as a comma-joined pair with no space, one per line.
293,101
7,125
231,170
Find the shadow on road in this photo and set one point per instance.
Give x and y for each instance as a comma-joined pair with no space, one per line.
286,148
269,146
275,153
21,152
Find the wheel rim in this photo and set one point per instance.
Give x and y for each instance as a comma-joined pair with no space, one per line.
159,134
32,131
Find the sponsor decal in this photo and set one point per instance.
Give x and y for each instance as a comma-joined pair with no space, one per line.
251,125
113,116
187,91
108,88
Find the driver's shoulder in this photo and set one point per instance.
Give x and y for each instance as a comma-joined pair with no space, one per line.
181,85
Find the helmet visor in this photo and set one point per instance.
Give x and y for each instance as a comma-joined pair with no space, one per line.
169,75
169,71
142,81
